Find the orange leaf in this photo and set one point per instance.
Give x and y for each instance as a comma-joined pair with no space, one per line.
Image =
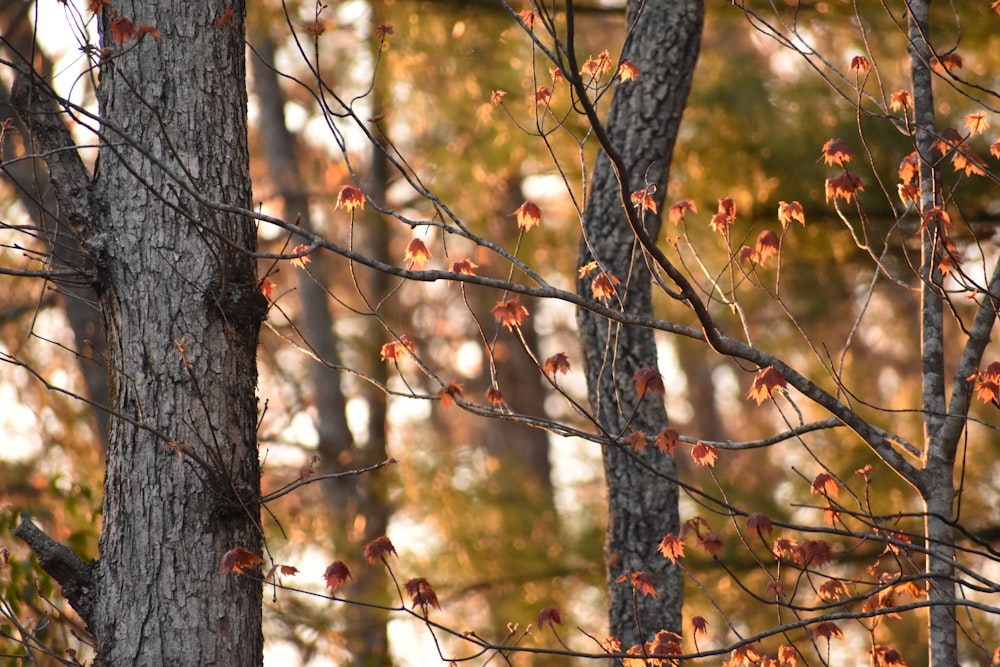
765,384
556,75
528,216
784,546
947,62
549,616
824,484
672,547
336,575
767,246
901,99
712,543
646,379
421,594
643,200
603,286
787,212
495,397
909,168
995,149
976,123
788,656
417,253
239,559
636,440
557,363
725,217
814,553
665,643
122,29
450,393
528,17
599,66
350,198
383,30
846,186
828,630
394,350
936,218
496,97
704,455
832,590
303,258
835,151
886,656
378,548
510,313
316,28
627,71
666,440
643,582
543,96
95,6
860,64
759,523
465,266
677,209
266,287
145,29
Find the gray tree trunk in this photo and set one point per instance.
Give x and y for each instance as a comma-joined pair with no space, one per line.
645,115
182,308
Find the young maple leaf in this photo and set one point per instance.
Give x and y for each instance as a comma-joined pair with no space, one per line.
146,29
465,266
774,590
908,192
421,594
643,200
316,28
603,285
557,363
666,440
528,18
965,160
909,168
378,548
395,350
417,253
976,123
767,246
599,66
995,149
336,575
860,64
712,543
835,151
627,71
704,455
383,30
676,211
759,523
789,211
885,656
901,99
543,96
672,547
788,656
636,440
988,384
350,198
699,626
239,559
947,62
511,313
828,630
747,255
550,616
528,216
277,571
302,257
832,590
122,29
766,383
814,553
665,643
784,546
936,218
646,379
556,74
824,484
495,397
449,393
266,288
725,217
496,97
949,140
643,582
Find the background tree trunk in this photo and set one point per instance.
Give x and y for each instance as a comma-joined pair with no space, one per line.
642,125
182,308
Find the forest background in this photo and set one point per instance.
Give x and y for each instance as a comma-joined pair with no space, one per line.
504,519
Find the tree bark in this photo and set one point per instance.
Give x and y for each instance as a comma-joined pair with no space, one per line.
645,115
182,308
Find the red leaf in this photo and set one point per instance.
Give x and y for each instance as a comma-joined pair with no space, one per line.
712,543
336,575
665,643
767,246
449,393
302,251
227,15
759,523
395,350
832,590
421,594
495,397
145,29
676,211
646,379
766,383
378,548
636,440
528,17
528,214
643,582
704,455
543,96
725,217
835,151
557,363
350,198
812,553
784,546
603,286
266,287
947,62
122,29
496,97
901,99
845,186
909,168
383,30
666,440
825,485
672,547
828,630
239,559
643,200
788,656
995,149
465,266
860,64
549,616
790,211
417,253
510,313
699,626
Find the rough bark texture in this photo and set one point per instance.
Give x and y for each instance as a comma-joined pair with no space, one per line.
176,276
643,123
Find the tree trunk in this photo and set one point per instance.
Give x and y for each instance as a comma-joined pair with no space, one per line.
642,125
182,308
